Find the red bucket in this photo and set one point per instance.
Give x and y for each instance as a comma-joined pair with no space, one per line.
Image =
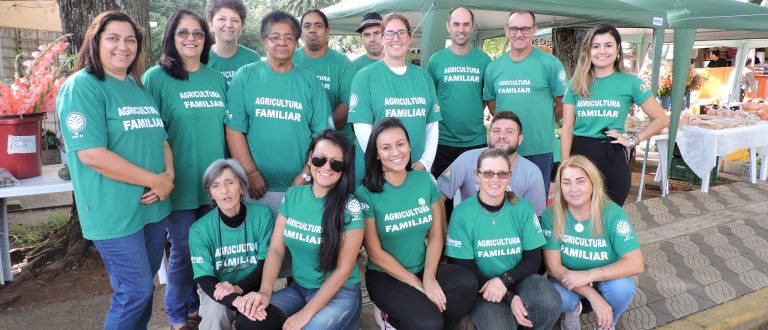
20,145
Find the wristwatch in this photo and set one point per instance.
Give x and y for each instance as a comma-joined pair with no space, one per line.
306,177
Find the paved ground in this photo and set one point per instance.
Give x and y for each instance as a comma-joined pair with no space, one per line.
701,250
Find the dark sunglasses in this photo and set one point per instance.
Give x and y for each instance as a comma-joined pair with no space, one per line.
196,34
336,165
489,174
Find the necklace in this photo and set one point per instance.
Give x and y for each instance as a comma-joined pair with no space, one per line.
493,212
579,227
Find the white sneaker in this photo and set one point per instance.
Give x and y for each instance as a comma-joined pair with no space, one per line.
381,319
571,320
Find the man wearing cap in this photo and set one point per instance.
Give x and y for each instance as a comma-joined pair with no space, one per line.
458,75
332,68
530,82
370,36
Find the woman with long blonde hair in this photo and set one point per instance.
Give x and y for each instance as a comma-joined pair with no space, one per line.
596,105
592,251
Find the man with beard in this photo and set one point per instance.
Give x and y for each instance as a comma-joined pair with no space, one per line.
370,36
526,182
458,75
332,68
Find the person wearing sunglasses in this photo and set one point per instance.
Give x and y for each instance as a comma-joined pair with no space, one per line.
191,100
402,209
592,251
321,225
394,88
226,19
530,82
498,237
275,108
228,245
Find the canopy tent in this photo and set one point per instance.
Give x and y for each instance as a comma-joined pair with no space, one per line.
685,17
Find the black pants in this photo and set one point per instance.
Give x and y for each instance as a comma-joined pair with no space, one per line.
443,158
408,308
611,159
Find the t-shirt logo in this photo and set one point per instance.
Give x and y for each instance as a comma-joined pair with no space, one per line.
644,87
75,123
436,108
536,223
422,202
562,76
353,102
624,229
353,206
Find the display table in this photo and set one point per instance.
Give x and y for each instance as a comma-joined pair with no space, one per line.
48,182
700,148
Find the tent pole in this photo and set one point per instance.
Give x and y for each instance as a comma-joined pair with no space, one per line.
433,33
681,66
658,45
734,81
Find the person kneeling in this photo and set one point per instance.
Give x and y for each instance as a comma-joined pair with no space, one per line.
498,237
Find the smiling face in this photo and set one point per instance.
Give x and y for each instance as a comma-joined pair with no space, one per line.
393,150
576,187
518,40
371,39
314,33
603,51
397,47
505,135
494,187
280,42
117,48
460,26
226,25
189,38
324,176
226,190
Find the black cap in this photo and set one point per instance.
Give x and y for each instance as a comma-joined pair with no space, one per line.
370,19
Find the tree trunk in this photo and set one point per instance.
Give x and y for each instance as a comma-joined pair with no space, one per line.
566,43
65,247
76,16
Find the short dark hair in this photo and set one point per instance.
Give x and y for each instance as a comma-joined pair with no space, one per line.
213,6
170,60
318,12
279,16
508,115
748,62
716,53
471,14
522,11
88,56
374,172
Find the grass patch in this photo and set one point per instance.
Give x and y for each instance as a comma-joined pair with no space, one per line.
27,235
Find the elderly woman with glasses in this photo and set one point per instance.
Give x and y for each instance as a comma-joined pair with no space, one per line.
228,245
190,97
394,88
497,235
321,224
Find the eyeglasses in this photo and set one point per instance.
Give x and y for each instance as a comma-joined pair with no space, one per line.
196,34
401,34
525,30
276,38
336,165
490,174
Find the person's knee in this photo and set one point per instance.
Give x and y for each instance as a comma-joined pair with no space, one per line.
619,290
541,294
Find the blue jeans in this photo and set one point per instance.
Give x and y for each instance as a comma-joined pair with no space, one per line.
541,301
342,312
132,262
544,162
180,293
617,293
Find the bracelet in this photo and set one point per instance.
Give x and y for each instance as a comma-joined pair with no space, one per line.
633,141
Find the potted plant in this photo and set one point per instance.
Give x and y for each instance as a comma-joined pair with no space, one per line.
695,81
24,105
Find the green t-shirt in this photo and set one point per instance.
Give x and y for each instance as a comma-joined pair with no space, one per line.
459,84
335,74
193,111
362,61
527,87
581,251
403,217
302,234
122,117
378,93
609,104
230,254
229,65
496,246
279,113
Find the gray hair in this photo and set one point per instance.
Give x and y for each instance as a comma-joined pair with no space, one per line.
218,166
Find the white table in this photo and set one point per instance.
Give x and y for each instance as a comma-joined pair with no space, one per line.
47,183
700,148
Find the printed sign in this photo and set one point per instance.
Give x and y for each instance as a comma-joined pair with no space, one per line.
21,144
